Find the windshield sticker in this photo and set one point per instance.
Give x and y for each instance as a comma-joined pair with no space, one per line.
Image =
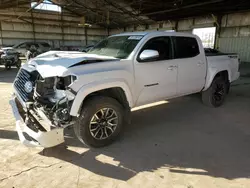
135,37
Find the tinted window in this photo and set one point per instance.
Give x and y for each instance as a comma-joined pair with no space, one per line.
160,44
186,47
35,44
45,44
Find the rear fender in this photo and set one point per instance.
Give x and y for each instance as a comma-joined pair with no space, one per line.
212,72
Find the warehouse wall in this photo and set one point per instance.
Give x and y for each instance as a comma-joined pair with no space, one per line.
52,27
65,29
185,25
234,36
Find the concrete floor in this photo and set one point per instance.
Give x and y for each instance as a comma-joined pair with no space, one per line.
182,144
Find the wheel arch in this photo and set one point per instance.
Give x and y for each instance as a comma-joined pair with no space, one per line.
117,90
225,73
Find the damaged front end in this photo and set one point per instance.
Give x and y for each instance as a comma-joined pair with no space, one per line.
41,107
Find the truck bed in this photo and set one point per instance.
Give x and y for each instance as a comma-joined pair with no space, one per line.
214,52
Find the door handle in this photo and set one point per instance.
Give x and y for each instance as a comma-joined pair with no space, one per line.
172,67
200,63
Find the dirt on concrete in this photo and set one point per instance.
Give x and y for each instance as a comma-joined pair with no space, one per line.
181,144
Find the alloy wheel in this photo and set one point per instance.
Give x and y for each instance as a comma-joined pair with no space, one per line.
103,123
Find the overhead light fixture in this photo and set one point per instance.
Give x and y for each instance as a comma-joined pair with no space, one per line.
85,25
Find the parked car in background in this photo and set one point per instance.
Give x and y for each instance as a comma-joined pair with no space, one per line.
86,48
9,58
23,47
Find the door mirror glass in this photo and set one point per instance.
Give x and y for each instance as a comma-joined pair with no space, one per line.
148,55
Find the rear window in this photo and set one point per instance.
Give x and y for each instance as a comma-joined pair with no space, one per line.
45,44
186,47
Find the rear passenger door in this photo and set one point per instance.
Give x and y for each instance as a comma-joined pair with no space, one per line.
191,65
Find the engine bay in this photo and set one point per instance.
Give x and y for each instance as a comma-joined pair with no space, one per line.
52,97
49,96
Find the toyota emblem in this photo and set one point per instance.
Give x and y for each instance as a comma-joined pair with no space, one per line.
28,87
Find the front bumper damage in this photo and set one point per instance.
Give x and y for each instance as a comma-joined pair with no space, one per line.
31,138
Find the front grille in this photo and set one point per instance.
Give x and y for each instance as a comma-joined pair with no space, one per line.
22,77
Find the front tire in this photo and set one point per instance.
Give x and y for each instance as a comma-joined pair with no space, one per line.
215,95
7,66
100,122
19,63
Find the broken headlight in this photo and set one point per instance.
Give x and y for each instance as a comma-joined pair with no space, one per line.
64,82
52,95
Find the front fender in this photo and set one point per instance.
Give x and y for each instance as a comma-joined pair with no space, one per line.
212,72
98,86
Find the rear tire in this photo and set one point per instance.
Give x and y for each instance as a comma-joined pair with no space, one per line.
215,95
100,122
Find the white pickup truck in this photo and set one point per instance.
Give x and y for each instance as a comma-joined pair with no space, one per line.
94,92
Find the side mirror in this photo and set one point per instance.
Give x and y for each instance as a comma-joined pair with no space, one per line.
147,55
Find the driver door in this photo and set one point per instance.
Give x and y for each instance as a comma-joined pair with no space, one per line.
156,79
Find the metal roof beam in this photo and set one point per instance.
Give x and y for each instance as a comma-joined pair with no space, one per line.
94,12
115,5
181,8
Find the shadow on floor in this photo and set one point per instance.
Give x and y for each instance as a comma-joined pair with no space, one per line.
176,136
7,76
179,135
7,134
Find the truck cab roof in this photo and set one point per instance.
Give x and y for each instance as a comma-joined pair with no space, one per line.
157,33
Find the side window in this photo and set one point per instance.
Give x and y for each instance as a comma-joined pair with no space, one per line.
32,45
22,45
186,47
162,45
36,45
46,45
28,46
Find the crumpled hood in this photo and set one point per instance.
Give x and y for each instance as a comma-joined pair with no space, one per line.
55,63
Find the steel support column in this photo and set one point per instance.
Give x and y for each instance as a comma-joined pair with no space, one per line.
217,31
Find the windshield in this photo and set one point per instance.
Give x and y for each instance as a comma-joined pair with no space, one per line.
117,46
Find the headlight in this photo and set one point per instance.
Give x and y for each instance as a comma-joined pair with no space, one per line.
64,82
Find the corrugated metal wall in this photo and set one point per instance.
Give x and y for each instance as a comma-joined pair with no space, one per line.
65,29
240,45
235,35
185,25
233,38
54,28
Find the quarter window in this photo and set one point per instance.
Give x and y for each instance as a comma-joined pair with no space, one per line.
186,47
